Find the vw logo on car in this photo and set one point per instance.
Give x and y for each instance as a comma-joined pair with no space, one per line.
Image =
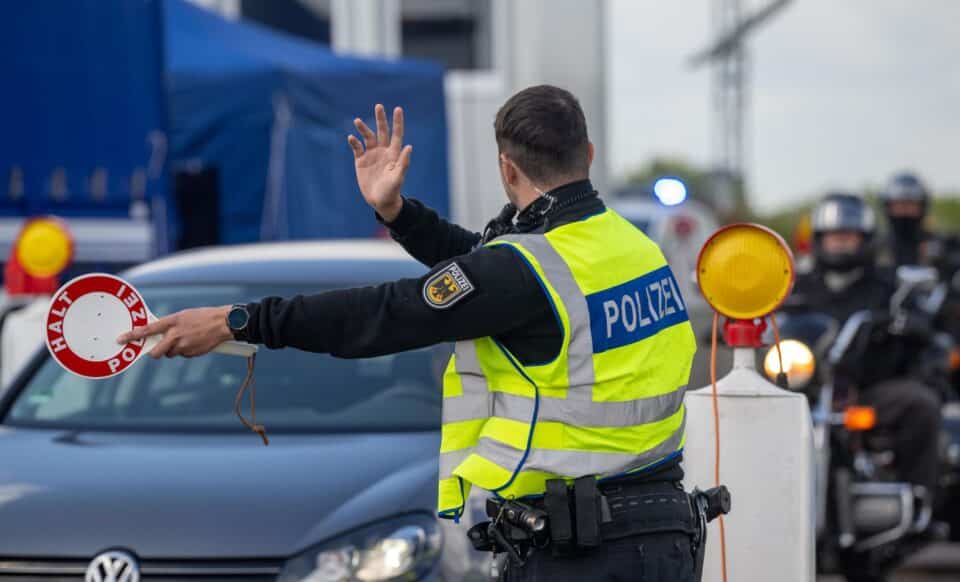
113,566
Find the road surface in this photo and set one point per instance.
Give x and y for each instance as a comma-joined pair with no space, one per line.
938,563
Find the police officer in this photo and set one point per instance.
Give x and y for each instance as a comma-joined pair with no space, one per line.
573,349
845,280
906,200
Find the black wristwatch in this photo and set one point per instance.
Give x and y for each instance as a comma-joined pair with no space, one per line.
237,320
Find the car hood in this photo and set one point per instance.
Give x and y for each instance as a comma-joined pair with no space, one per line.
73,494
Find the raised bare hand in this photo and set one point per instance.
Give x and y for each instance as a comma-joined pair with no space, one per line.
381,162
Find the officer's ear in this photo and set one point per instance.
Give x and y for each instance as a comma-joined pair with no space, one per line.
589,153
508,171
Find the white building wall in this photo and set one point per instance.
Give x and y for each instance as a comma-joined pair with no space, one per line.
365,27
476,193
562,42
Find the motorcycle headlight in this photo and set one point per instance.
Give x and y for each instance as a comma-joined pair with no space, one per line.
404,548
798,363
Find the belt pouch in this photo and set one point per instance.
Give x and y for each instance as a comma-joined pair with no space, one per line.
587,508
557,504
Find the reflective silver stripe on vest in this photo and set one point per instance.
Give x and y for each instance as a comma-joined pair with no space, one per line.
580,352
576,413
450,460
475,401
560,462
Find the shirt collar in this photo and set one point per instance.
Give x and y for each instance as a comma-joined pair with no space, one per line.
535,213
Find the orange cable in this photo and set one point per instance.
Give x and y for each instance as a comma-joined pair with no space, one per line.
716,439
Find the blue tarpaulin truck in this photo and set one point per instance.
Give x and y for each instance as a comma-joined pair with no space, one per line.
143,122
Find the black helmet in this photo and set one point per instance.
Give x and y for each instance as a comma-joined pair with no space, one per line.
841,212
905,186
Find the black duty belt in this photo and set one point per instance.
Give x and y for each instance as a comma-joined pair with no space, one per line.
589,513
586,514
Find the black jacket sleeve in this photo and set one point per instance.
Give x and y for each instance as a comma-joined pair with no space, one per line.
427,237
396,316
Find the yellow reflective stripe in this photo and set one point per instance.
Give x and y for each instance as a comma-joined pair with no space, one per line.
578,462
627,439
460,435
500,373
529,483
452,495
558,435
451,379
486,469
636,371
605,236
484,472
505,430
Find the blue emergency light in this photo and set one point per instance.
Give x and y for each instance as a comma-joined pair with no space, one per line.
670,191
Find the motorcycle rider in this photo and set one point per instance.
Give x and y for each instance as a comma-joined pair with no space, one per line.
846,279
906,201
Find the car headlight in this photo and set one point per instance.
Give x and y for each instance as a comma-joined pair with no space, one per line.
798,363
402,548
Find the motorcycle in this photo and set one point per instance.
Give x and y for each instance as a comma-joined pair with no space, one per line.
867,520
944,254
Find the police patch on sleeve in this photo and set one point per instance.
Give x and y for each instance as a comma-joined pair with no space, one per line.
446,287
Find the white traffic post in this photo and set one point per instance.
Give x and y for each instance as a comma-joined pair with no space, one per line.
745,272
767,462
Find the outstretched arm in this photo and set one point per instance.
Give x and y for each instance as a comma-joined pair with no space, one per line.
485,293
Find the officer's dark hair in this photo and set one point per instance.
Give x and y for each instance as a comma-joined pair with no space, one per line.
542,129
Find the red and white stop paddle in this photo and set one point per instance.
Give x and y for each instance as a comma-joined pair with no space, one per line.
89,313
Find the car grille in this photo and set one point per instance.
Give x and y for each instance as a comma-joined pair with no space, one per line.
59,570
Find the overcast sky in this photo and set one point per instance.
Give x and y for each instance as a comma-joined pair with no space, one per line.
843,92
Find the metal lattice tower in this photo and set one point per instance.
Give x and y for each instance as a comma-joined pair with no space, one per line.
729,97
728,55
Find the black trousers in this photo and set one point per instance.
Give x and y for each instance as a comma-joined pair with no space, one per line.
910,411
661,557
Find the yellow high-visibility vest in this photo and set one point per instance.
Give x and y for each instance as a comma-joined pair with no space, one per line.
611,401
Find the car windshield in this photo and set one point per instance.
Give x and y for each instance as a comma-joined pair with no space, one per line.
296,391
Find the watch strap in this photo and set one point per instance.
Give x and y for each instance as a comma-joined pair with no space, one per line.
239,333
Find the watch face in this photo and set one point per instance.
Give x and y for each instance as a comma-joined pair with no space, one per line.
238,317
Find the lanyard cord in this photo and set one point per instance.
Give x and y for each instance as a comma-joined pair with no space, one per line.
248,383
